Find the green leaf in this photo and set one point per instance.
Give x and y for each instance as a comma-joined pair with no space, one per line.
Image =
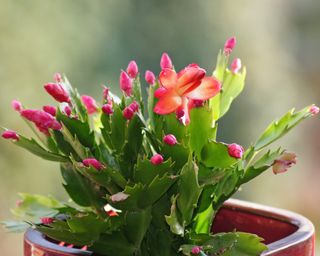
189,191
118,127
136,193
134,139
87,223
209,176
33,207
137,224
228,184
156,189
200,128
179,154
247,244
233,85
151,104
145,171
173,126
114,244
137,94
280,127
32,146
63,145
79,188
66,235
228,244
215,154
78,129
261,165
76,100
173,220
15,226
106,177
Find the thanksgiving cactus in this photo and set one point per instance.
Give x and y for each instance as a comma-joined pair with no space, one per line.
147,179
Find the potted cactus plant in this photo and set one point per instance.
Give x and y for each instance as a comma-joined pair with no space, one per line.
153,179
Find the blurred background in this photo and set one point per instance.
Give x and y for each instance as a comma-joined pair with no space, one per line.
91,41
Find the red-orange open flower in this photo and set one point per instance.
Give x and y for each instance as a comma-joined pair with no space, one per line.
179,90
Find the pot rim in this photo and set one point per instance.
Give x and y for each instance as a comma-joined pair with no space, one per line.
304,232
305,227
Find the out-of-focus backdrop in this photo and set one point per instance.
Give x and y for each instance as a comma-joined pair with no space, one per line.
91,41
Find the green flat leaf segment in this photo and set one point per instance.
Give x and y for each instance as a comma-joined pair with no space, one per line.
79,188
33,207
233,85
145,171
215,154
76,100
200,129
280,127
15,226
261,165
32,146
227,244
173,219
78,129
189,191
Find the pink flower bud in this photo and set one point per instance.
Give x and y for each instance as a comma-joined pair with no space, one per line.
120,196
160,92
170,139
235,65
132,69
285,161
196,250
10,135
128,113
235,150
150,77
107,109
57,92
193,65
229,45
19,203
46,220
165,61
67,110
42,120
126,83
93,162
50,109
16,105
134,106
314,110
89,103
156,159
57,77
106,93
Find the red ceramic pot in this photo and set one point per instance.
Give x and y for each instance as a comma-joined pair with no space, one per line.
285,233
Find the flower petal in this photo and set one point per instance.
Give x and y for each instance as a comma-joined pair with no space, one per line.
189,78
168,103
208,88
168,78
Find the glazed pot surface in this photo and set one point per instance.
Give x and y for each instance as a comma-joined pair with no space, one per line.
284,232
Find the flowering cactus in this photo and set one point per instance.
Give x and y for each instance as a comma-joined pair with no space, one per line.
148,186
